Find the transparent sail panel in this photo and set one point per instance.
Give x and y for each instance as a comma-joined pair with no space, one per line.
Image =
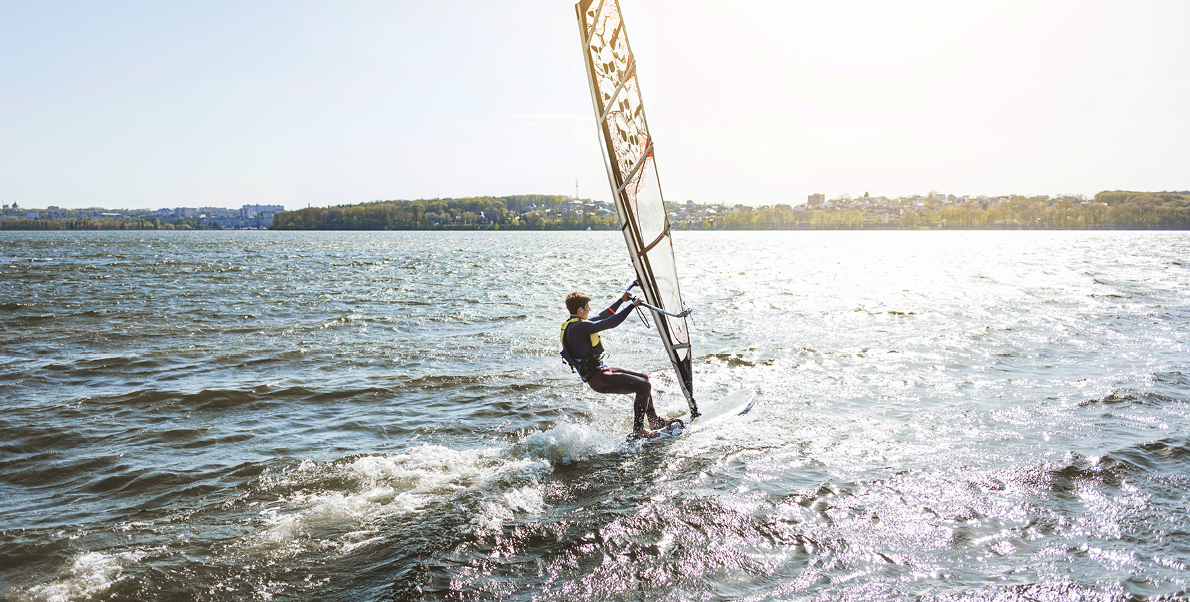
661,259
649,207
652,220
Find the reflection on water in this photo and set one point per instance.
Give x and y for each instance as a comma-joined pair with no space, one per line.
376,416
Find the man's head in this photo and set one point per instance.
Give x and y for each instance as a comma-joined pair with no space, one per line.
576,301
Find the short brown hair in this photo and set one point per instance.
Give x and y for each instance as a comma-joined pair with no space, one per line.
575,301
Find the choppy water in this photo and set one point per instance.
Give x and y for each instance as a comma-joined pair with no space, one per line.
383,416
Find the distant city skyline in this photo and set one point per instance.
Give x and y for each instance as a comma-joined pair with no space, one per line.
226,104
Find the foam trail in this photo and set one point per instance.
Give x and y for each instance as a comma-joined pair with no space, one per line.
567,444
91,574
400,484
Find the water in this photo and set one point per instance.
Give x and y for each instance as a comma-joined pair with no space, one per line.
384,416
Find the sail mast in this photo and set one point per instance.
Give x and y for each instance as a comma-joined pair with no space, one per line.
628,155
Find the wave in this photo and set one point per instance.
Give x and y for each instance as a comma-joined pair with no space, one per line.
1058,589
1130,396
1174,377
38,319
207,399
470,493
1172,450
90,575
101,365
93,313
567,444
1113,469
1145,460
342,321
39,439
339,505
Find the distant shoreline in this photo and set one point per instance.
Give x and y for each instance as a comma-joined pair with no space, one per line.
1109,210
796,228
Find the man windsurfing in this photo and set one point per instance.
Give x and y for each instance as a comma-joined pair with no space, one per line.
583,351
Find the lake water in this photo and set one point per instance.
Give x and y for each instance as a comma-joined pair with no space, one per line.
384,416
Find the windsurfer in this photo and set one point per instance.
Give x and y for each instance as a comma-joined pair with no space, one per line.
580,341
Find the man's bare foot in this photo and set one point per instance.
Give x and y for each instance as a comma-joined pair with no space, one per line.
646,434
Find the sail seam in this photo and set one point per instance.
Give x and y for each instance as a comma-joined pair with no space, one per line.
629,73
664,233
632,172
595,21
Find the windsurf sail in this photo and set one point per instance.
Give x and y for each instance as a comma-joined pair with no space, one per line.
628,154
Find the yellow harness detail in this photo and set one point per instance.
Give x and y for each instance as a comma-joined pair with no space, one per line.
584,366
595,342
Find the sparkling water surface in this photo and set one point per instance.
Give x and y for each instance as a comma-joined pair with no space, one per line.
384,416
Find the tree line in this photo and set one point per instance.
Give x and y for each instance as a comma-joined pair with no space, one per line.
1109,210
519,212
103,223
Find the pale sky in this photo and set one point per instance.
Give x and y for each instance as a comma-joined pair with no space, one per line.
187,104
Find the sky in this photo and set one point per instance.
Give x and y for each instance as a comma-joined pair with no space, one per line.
125,104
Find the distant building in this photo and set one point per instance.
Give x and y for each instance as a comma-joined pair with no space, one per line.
255,211
186,212
214,212
816,200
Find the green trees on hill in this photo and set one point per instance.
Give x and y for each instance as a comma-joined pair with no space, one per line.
521,212
1108,210
1147,209
100,223
1116,209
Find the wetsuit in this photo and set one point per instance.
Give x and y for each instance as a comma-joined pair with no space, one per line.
583,343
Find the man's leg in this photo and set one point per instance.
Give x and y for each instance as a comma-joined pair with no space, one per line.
643,403
619,380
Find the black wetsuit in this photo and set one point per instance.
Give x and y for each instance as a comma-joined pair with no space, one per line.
604,379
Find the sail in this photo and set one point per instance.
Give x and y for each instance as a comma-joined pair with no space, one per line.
631,164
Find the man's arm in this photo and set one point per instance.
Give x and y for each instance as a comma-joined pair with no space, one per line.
607,313
602,322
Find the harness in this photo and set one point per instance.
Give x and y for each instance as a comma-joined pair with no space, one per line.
585,366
